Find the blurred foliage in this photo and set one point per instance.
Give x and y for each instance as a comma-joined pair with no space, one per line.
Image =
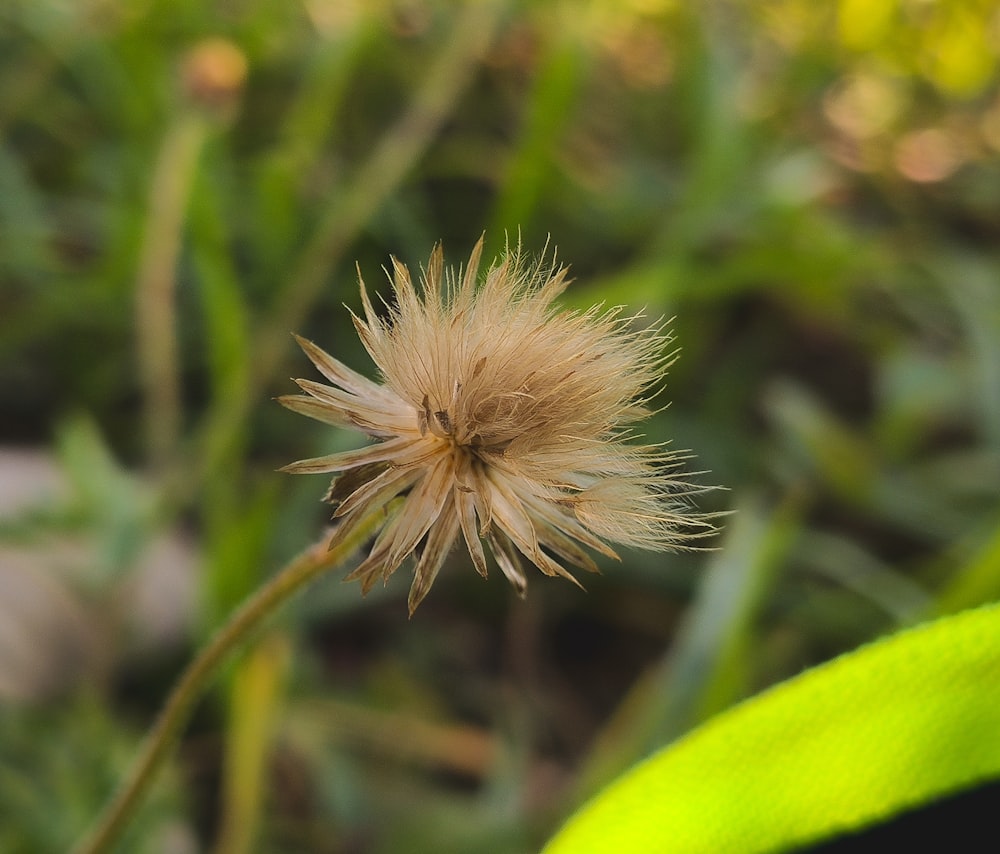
813,190
53,786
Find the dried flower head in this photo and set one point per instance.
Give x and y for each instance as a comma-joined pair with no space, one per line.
500,418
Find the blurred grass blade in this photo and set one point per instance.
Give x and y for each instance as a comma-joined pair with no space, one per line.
227,318
549,110
706,669
239,527
813,434
895,724
708,658
815,438
254,700
845,562
330,69
159,350
975,583
971,283
25,231
720,144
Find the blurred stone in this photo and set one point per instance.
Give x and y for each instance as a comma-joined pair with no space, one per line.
54,630
28,478
47,637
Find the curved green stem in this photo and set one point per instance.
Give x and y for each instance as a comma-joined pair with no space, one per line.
245,620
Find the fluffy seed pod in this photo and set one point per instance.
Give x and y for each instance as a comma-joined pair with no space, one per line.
502,420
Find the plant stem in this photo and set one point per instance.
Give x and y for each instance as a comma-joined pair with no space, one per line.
292,578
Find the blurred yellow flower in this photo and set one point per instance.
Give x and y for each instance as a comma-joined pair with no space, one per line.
500,418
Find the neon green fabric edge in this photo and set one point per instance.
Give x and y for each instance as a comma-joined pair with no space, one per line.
891,725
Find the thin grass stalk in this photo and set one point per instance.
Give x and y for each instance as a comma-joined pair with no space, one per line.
244,622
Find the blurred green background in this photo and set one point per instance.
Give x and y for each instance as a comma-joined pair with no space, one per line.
811,189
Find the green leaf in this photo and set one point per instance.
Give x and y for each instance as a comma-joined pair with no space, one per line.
890,726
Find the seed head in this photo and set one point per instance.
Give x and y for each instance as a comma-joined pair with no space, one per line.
499,418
